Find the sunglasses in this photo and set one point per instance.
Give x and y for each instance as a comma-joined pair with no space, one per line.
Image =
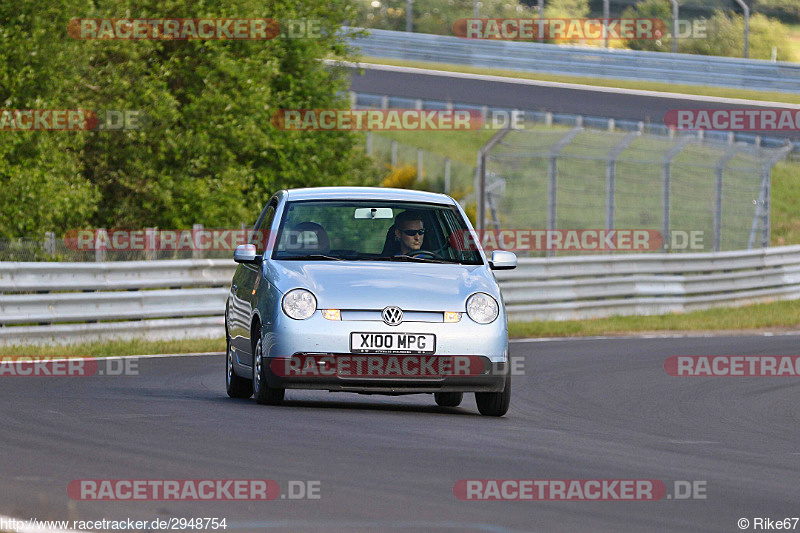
412,232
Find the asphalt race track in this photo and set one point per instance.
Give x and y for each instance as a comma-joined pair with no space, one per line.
585,409
584,101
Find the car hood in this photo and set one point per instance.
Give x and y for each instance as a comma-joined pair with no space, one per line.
375,285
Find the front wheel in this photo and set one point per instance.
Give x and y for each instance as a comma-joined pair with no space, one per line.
448,399
236,387
494,403
264,394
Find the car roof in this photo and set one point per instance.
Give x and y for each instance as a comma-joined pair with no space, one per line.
367,193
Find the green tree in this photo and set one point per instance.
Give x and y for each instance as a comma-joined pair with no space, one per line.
651,9
206,152
566,8
725,37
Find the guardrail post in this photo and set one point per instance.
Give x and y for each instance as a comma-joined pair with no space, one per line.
666,177
611,175
719,168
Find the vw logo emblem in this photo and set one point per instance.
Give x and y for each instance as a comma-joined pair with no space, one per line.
392,315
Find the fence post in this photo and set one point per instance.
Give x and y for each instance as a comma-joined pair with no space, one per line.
50,243
150,237
719,168
611,175
369,143
766,207
394,153
666,177
447,175
675,9
480,190
101,238
419,164
196,252
552,179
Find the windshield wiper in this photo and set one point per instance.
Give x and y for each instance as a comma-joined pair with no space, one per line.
311,257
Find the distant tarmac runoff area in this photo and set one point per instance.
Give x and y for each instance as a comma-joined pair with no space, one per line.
555,97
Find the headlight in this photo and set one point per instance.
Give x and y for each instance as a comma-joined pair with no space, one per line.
482,308
299,304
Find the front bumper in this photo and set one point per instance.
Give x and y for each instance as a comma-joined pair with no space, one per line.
492,379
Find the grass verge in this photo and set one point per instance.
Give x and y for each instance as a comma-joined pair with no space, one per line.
118,348
774,315
758,317
767,96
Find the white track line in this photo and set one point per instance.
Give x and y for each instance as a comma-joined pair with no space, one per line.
697,335
561,85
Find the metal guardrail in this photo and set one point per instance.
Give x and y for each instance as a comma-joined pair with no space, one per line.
35,307
582,61
121,300
567,288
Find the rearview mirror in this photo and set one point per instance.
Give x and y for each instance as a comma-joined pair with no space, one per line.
373,212
246,253
502,260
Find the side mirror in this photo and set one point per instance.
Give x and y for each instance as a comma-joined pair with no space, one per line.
246,253
502,260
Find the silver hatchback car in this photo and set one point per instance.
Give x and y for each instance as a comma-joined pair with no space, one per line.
367,290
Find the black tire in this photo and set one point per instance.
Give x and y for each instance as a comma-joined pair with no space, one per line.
236,387
264,394
448,399
494,403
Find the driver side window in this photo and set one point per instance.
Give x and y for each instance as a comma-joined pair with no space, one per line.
261,234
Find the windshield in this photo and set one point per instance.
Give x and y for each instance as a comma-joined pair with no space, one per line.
373,231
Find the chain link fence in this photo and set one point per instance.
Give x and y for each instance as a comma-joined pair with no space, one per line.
557,178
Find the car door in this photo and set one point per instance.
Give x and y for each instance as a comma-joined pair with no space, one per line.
249,282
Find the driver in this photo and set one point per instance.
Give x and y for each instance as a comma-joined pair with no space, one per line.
409,231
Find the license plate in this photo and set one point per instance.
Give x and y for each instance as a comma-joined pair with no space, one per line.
392,343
